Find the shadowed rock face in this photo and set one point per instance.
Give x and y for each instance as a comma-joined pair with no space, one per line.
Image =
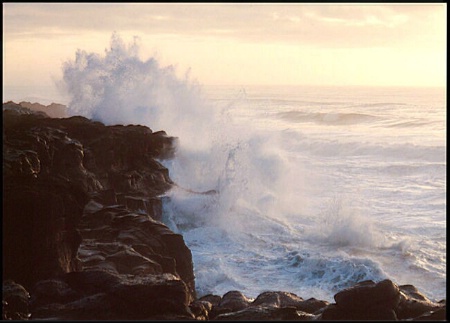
81,206
385,300
83,197
102,295
53,110
413,304
270,305
45,189
130,243
15,299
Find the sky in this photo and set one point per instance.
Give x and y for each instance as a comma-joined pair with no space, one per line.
233,43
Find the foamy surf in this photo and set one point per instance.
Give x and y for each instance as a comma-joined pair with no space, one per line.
283,189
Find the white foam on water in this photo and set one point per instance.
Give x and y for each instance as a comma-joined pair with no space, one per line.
338,190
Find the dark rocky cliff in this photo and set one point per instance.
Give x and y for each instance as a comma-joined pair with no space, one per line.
82,238
81,200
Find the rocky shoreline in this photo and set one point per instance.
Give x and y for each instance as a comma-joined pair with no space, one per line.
82,237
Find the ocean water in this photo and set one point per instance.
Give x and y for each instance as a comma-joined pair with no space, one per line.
318,188
301,189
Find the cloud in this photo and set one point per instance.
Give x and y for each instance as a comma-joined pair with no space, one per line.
340,25
230,36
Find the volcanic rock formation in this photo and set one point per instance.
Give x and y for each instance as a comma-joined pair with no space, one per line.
81,211
83,237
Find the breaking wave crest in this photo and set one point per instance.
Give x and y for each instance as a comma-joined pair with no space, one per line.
243,193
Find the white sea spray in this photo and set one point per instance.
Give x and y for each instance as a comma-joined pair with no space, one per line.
292,190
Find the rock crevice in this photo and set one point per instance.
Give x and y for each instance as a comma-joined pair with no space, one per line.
81,218
82,237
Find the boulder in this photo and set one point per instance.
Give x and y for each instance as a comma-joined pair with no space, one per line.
414,304
15,301
267,299
368,293
261,313
51,291
373,313
201,309
140,297
312,305
124,242
382,301
101,295
285,299
234,300
366,300
213,299
437,315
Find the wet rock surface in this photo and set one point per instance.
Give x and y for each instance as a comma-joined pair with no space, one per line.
384,300
15,301
83,238
81,230
103,295
365,301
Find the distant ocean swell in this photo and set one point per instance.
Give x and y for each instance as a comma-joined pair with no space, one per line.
286,190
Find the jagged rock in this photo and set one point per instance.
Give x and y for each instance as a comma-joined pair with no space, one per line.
40,239
11,108
383,301
230,302
285,299
101,295
268,299
91,307
43,152
121,157
365,301
125,242
384,293
45,189
213,299
270,305
79,207
414,304
142,296
234,300
374,313
312,305
81,232
15,301
201,309
438,315
261,313
53,110
149,206
52,291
